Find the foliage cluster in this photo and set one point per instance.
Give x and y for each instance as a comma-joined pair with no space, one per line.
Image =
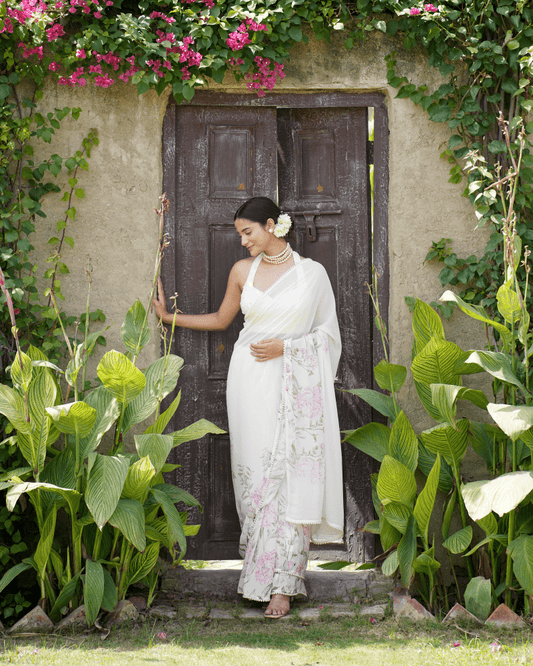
117,506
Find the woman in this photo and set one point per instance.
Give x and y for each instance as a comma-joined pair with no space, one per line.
284,431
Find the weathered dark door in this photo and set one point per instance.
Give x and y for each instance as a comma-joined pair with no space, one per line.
314,162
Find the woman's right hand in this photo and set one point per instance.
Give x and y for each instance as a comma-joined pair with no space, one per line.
159,302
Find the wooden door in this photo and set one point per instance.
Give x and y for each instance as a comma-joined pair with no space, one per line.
314,162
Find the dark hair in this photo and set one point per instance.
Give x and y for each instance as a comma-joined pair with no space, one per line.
258,209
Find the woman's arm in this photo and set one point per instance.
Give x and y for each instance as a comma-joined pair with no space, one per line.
214,321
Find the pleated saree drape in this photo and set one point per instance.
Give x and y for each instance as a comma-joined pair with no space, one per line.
284,431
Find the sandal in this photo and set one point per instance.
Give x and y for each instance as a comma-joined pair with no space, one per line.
278,607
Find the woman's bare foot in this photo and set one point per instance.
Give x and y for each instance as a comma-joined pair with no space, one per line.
279,606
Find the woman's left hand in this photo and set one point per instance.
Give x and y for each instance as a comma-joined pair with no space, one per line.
266,350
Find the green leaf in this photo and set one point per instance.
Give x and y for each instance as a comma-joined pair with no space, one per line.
497,364
390,565
161,378
383,404
396,483
390,377
174,525
12,407
443,397
120,377
478,597
109,600
521,551
157,447
135,331
388,535
128,517
107,412
140,476
93,590
72,497
44,546
104,486
176,495
501,495
64,597
426,325
407,552
195,431
478,313
426,500
459,541
514,420
164,418
426,563
450,442
403,443
397,515
12,573
508,304
372,439
295,33
21,377
143,563
74,418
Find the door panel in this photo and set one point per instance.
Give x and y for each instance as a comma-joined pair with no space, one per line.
313,161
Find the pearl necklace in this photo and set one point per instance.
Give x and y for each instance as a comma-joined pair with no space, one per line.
280,258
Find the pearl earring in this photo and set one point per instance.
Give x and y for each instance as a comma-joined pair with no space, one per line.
270,230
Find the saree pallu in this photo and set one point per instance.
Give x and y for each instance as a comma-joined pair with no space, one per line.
284,431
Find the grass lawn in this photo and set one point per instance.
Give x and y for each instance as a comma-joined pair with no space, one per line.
293,643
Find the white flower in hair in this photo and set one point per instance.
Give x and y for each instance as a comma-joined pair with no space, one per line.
282,226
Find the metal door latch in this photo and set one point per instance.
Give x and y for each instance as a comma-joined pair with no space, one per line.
310,216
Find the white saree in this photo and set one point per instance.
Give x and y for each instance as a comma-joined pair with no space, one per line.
284,431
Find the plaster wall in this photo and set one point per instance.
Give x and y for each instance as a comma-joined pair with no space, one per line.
117,228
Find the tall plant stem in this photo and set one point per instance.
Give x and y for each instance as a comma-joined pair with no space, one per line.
509,563
462,511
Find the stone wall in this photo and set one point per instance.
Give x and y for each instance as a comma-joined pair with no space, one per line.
117,228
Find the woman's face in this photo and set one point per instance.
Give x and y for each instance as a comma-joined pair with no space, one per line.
254,236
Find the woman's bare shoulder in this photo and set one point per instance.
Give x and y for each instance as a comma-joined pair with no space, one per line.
241,269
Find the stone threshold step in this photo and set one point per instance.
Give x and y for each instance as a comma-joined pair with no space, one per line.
323,586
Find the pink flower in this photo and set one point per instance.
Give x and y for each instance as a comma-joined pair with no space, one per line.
309,402
95,69
307,468
495,646
430,8
264,570
162,635
373,620
16,311
98,15
456,644
103,81
80,53
54,32
54,66
414,11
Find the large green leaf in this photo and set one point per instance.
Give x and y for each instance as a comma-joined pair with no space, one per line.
497,364
138,480
142,563
459,541
174,525
477,312
64,597
482,442
120,377
450,442
372,439
426,460
500,495
161,378
21,376
396,483
12,573
157,447
13,408
508,304
514,420
109,600
164,418
390,377
107,412
478,597
390,565
521,550
435,364
397,515
403,443
426,500
388,534
195,431
93,589
74,418
72,497
426,325
135,331
104,486
42,394
443,397
382,403
407,552
426,563
128,517
44,546
177,495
